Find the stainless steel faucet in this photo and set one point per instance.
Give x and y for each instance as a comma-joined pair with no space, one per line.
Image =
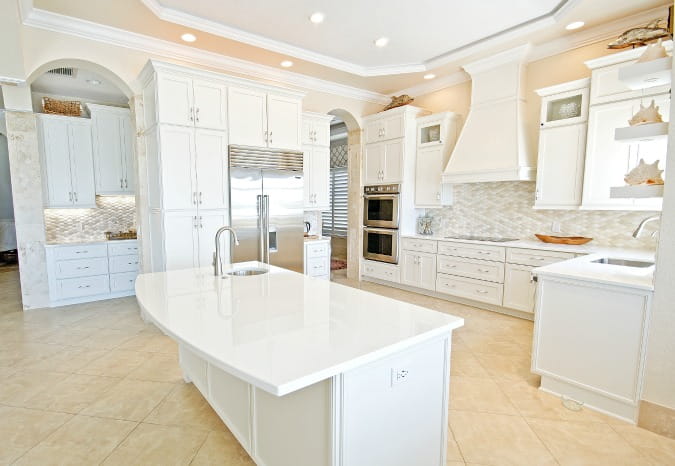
217,261
643,223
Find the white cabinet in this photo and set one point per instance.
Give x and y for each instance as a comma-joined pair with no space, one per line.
381,271
67,161
317,258
316,129
316,168
418,269
385,127
519,288
185,101
189,239
429,166
113,149
383,162
263,119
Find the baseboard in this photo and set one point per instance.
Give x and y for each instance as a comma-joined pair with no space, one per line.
91,299
657,418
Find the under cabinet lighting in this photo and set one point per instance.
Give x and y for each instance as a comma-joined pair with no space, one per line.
187,37
574,25
429,76
286,63
317,18
381,42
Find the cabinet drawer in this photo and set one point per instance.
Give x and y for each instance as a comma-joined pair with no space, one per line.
123,263
472,251
381,271
122,281
81,268
318,266
80,252
419,245
535,257
316,250
477,290
83,286
123,249
472,268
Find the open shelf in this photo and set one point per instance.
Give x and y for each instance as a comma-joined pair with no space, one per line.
645,132
640,191
648,74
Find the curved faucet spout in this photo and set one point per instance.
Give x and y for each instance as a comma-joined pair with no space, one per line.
217,260
643,223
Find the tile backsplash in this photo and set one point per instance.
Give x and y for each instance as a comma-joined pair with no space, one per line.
505,209
113,213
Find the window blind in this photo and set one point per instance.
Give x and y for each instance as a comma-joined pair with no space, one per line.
335,220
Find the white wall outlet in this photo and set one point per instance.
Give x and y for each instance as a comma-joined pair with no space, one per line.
555,227
398,376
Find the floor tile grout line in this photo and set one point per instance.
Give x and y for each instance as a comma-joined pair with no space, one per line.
45,437
120,442
206,437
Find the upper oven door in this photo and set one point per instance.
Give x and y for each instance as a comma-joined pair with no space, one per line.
380,210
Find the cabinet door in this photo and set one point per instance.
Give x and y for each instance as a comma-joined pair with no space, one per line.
56,154
210,102
247,117
560,167
207,225
410,269
322,133
373,131
211,169
175,100
108,150
307,131
393,127
428,170
284,120
127,137
320,177
373,162
393,161
307,175
519,288
178,171
82,164
427,270
180,240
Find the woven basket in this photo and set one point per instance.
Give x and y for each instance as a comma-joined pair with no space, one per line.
61,107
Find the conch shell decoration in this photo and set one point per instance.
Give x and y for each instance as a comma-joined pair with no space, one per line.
644,173
653,52
646,115
399,101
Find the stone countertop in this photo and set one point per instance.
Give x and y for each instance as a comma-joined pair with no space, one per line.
83,242
282,331
312,238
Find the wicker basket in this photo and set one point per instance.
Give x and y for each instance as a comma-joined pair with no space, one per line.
61,107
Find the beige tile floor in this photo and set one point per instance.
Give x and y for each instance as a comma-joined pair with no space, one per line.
92,384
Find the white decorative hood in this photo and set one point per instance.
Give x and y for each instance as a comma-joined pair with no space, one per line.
493,145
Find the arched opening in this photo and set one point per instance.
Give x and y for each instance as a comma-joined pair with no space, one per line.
346,163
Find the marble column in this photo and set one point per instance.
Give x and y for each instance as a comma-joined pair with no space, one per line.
355,204
140,167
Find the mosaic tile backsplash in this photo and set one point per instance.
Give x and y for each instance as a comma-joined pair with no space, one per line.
113,213
505,209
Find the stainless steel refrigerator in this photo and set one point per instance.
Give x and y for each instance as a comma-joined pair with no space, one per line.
266,206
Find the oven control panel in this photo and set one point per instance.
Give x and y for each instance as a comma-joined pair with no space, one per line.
382,189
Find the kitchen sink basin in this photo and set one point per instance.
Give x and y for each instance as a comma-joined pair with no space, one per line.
246,272
623,262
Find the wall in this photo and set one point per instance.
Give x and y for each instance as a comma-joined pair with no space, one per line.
6,207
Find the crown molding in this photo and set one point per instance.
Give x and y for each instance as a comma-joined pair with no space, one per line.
516,54
436,84
170,50
9,81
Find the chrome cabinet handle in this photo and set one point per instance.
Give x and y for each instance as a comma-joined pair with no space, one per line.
81,252
84,286
121,183
75,195
482,291
82,268
265,136
201,225
194,221
194,197
70,196
197,115
200,197
438,196
270,137
191,114
126,183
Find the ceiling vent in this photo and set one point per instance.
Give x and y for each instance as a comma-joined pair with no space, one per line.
67,72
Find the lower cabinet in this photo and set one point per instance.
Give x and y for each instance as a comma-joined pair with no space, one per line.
477,290
519,288
381,271
317,259
418,269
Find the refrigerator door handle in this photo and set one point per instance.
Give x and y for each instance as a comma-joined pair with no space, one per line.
261,227
266,223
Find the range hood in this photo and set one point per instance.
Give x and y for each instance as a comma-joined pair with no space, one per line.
493,145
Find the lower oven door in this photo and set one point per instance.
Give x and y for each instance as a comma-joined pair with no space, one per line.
380,244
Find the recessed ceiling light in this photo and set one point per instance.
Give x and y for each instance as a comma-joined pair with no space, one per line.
317,18
286,63
94,82
187,37
429,76
381,42
574,25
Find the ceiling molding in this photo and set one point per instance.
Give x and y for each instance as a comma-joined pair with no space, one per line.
437,84
161,48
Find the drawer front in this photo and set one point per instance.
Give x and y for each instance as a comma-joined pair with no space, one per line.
122,281
81,268
80,252
477,290
123,264
535,257
317,250
471,268
419,245
472,251
123,249
390,273
83,286
318,266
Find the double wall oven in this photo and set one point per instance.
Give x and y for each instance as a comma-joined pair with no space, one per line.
380,223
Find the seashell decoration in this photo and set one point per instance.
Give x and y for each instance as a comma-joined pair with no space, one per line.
646,115
653,52
639,36
399,101
644,173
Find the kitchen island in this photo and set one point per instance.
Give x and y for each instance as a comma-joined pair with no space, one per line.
308,372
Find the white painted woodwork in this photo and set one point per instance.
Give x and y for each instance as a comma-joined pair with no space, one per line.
519,288
476,290
472,251
123,248
428,184
208,223
179,180
210,104
316,168
381,271
472,268
558,94
211,169
119,264
174,100
122,282
82,165
607,87
535,257
418,269
317,258
181,240
373,156
247,117
83,251
419,245
81,267
284,122
113,150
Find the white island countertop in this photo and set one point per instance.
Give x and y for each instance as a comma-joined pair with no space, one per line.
283,331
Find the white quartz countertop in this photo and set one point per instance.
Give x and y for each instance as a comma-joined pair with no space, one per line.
583,268
76,242
283,331
316,238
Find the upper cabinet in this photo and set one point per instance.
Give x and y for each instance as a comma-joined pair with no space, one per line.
316,129
316,160
191,102
385,128
67,162
383,162
113,149
264,119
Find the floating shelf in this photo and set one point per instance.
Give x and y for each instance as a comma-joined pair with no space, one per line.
640,191
648,74
639,133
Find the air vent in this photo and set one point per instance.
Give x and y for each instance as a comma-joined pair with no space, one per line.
67,72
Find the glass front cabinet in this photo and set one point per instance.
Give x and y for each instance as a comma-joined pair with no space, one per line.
564,108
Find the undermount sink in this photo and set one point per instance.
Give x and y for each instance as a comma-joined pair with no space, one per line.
246,272
623,262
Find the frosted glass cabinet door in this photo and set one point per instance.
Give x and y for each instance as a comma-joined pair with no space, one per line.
247,116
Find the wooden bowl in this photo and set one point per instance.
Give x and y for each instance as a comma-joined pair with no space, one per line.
576,240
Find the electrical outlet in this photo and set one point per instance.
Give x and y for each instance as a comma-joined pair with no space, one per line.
555,227
399,376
